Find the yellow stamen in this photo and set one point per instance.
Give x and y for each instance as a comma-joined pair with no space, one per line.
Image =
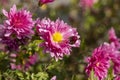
57,37
43,7
97,64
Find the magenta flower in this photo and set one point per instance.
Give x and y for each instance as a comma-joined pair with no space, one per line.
53,78
45,1
86,3
31,61
18,23
116,55
116,63
116,67
99,62
13,44
117,78
2,31
14,66
113,38
58,37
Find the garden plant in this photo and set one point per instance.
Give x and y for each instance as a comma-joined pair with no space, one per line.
59,40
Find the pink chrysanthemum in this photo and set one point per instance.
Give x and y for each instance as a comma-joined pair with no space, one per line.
45,1
86,3
99,62
116,63
116,56
117,78
58,37
24,64
116,67
113,38
18,23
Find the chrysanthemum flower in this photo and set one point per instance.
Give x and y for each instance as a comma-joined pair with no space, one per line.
116,67
99,62
19,23
58,37
45,1
117,77
113,38
116,55
116,63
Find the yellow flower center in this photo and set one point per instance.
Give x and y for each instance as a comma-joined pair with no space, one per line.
57,37
97,64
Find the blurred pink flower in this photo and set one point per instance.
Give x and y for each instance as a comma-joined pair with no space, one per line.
3,2
86,3
116,56
116,63
2,31
99,62
14,66
113,38
12,43
53,78
45,1
18,23
117,78
25,64
116,66
58,37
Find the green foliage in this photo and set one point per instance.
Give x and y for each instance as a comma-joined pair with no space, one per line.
92,76
17,75
41,76
110,74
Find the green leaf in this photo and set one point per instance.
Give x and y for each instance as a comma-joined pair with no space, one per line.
42,76
92,76
110,74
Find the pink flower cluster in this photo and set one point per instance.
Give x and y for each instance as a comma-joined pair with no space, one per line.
58,37
99,62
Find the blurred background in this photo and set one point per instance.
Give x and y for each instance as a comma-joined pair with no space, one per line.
92,24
